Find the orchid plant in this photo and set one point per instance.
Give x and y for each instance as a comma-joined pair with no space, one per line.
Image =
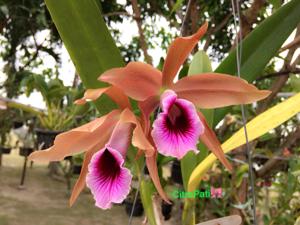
175,131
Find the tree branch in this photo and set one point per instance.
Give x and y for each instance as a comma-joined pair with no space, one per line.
138,19
273,162
215,30
250,16
281,73
118,14
280,81
296,41
185,20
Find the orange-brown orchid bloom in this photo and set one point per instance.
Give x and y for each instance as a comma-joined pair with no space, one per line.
178,128
105,141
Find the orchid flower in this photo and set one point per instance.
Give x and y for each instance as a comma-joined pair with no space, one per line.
105,141
180,125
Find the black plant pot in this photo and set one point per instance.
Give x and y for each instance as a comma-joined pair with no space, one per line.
176,172
146,171
5,150
166,210
25,151
45,138
138,208
76,169
17,124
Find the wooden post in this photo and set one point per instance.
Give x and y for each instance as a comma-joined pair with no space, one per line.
21,186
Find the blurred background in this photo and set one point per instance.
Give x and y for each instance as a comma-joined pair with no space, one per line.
39,83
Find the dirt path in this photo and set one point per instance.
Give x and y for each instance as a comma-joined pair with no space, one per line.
45,201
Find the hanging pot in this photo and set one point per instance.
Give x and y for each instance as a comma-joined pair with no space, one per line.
166,210
146,171
76,169
5,150
25,151
17,124
45,138
138,208
176,172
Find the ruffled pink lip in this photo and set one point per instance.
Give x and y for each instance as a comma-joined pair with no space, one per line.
107,178
177,129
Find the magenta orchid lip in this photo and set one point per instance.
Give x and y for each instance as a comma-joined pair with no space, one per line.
107,178
177,128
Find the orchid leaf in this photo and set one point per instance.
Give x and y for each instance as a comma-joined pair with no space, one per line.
199,64
25,108
257,127
295,83
88,41
176,6
147,190
260,46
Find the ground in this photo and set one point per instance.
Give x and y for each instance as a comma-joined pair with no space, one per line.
44,201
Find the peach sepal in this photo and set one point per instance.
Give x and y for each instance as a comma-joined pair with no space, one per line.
113,92
79,139
210,139
137,80
213,90
178,52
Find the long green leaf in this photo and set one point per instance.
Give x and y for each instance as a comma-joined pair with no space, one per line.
88,41
147,190
5,102
200,64
176,6
257,127
261,45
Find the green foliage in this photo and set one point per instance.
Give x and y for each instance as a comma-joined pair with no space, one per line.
176,6
284,209
5,124
21,20
295,83
92,50
53,91
78,159
200,64
7,119
147,191
261,45
60,110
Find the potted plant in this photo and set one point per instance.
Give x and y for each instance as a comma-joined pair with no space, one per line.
5,144
166,210
25,137
5,124
5,150
176,172
60,110
129,204
50,124
17,124
60,114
